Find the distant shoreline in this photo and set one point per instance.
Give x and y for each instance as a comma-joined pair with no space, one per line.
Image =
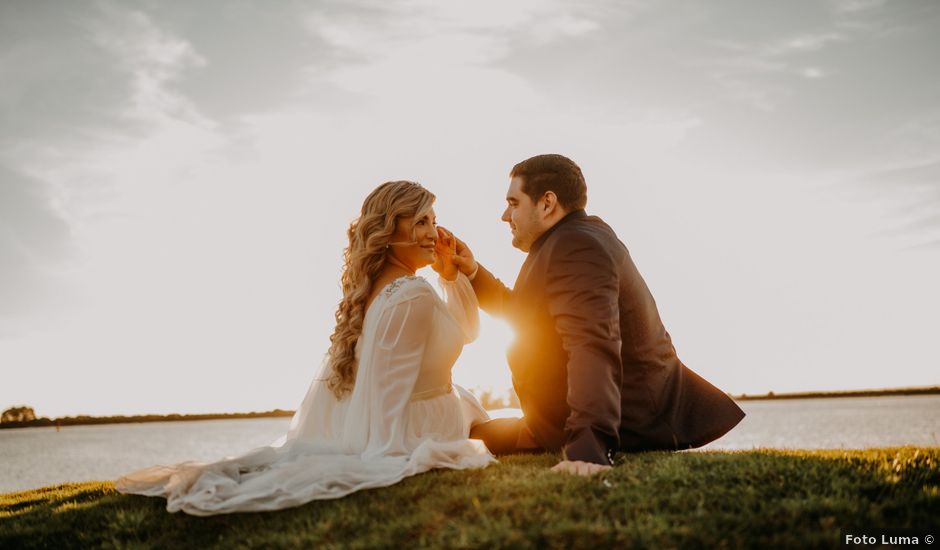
92,420
277,413
928,390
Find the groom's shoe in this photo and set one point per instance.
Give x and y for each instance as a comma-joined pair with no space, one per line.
504,436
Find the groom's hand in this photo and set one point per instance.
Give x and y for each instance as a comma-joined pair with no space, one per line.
464,258
446,249
579,467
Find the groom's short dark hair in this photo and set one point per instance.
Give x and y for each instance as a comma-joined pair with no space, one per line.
555,173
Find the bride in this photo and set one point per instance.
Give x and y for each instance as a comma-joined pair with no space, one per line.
383,407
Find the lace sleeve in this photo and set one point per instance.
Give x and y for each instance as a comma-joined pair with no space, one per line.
462,305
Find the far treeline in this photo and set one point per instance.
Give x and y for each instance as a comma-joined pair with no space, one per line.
23,417
86,420
930,390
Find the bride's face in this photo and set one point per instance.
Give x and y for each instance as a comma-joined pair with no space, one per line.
414,239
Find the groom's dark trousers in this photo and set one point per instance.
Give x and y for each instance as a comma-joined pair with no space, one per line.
592,363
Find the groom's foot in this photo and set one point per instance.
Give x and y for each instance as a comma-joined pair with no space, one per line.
504,436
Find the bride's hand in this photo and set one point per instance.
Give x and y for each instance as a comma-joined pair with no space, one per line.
446,249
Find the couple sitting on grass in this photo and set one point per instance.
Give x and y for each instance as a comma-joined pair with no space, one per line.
592,364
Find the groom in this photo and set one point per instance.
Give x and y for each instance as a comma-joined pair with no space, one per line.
592,364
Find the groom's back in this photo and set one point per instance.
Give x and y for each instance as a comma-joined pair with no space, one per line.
663,404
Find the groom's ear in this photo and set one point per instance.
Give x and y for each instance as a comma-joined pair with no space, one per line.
549,202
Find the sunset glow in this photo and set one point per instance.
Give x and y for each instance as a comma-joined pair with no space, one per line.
176,182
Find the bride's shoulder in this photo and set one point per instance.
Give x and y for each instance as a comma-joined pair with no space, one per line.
408,288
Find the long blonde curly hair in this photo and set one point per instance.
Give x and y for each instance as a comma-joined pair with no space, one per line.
369,236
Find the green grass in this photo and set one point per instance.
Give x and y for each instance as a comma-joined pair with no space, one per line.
650,500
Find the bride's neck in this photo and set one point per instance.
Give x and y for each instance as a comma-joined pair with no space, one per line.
394,263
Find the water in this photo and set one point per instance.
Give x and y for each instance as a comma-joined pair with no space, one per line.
835,423
33,457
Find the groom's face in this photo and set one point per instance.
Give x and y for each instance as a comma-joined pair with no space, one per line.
522,216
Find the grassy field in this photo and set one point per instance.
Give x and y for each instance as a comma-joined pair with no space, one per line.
649,500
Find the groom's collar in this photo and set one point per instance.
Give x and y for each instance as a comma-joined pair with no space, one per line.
573,215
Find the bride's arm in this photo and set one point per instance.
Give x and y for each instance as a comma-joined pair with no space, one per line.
462,305
390,367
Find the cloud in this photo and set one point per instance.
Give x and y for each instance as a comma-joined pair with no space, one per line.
153,59
34,242
913,187
905,178
56,83
755,73
813,73
803,43
431,34
91,100
856,6
92,130
424,68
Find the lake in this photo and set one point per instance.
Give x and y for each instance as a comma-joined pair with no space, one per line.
33,457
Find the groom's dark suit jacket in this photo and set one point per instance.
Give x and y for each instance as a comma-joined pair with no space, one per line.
592,363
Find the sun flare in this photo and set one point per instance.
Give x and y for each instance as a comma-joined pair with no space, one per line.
482,365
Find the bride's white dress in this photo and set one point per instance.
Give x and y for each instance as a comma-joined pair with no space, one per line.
402,418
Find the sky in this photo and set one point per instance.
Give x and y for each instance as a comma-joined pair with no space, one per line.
176,180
